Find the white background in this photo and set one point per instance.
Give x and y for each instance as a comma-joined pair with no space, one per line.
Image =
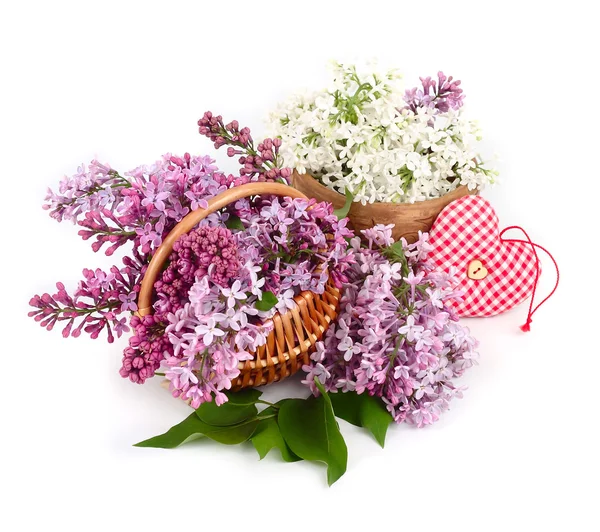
126,83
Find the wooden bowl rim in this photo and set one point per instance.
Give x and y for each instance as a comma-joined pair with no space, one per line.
435,203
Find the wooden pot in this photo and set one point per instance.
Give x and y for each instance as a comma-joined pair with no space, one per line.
408,218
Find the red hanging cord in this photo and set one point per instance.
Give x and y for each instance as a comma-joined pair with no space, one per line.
526,327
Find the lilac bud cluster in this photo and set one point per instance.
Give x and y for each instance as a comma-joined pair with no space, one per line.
262,163
205,251
96,304
148,346
443,95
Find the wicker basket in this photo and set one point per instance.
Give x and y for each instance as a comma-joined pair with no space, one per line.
408,218
295,332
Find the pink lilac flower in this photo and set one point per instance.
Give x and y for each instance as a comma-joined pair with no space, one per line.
210,358
208,331
395,338
234,293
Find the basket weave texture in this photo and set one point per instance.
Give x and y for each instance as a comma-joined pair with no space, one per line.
295,332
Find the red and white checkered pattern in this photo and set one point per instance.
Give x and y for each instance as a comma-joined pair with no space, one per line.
466,230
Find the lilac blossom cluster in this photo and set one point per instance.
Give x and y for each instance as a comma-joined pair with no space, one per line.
210,335
443,95
262,163
203,251
395,337
148,346
297,243
97,302
286,246
138,209
207,252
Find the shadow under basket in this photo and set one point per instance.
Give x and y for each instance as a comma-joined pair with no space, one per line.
408,218
295,332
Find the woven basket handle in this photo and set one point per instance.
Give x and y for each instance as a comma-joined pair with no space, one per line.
190,221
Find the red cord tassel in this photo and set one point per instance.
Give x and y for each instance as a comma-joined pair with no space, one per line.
526,327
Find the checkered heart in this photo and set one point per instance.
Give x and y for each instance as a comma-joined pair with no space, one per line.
494,274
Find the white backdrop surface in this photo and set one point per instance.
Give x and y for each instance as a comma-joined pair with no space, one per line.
126,82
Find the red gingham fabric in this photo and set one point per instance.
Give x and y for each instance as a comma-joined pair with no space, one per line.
467,230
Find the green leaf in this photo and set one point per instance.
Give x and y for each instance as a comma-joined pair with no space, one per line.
395,253
233,434
247,396
193,428
234,222
189,429
309,427
268,436
239,407
225,415
267,302
363,410
395,250
342,212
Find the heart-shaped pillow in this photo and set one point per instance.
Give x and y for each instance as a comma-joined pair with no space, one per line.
494,274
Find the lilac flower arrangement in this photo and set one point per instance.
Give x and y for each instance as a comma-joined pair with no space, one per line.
394,355
395,337
224,280
213,295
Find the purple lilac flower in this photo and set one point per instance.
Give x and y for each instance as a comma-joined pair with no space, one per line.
300,253
147,348
207,293
205,322
205,251
442,95
395,338
140,206
261,163
96,304
205,357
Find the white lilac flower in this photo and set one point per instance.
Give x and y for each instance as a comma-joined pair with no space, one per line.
286,300
366,135
233,293
208,331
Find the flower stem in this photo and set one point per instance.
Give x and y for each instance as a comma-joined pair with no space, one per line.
267,403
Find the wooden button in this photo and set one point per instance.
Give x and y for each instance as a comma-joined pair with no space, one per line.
476,270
